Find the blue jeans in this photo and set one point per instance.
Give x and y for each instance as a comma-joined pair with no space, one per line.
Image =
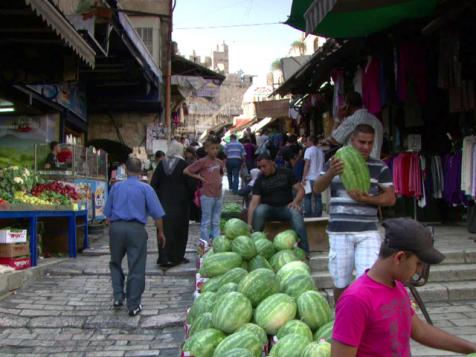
233,172
308,201
211,212
265,213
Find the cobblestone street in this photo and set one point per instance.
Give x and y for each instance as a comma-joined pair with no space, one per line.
69,312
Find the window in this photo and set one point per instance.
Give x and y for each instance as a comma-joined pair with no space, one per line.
147,35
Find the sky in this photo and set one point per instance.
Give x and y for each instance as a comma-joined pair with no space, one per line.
251,49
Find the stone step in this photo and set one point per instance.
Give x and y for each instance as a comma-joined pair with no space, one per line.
319,260
438,274
434,292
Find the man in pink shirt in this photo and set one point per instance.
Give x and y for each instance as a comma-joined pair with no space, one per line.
374,316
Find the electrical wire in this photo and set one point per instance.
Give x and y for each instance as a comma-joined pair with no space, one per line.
228,26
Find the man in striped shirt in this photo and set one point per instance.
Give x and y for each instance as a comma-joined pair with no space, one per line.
235,157
353,234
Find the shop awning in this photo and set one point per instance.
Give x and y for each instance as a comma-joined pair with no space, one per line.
183,67
355,18
262,124
63,28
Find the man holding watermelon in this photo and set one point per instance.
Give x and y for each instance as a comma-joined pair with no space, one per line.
359,184
374,317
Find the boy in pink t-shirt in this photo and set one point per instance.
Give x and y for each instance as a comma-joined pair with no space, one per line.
209,170
374,317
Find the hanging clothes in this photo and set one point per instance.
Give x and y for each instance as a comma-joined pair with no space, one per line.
357,81
467,164
412,68
339,92
452,193
371,92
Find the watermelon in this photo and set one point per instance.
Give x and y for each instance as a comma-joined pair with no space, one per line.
241,339
203,303
274,311
209,252
259,262
244,246
255,330
221,244
219,263
281,258
211,284
236,227
255,236
299,253
258,285
265,248
355,175
285,240
231,312
317,349
204,342
313,309
290,270
291,345
226,288
234,275
244,265
324,332
239,352
202,322
296,327
298,284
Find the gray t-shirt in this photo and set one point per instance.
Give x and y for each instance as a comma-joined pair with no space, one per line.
349,216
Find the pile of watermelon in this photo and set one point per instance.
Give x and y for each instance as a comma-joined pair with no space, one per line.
257,293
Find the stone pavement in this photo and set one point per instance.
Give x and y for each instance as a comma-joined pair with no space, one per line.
68,312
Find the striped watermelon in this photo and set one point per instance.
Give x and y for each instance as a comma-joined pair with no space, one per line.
258,285
255,330
211,284
202,322
226,288
274,311
290,270
236,227
242,339
219,263
203,303
281,258
317,349
259,262
298,284
285,240
255,236
356,174
265,248
296,327
244,246
234,275
244,265
231,312
291,345
313,309
221,244
325,332
239,352
299,253
209,252
204,342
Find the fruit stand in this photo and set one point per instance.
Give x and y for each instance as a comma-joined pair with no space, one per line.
27,199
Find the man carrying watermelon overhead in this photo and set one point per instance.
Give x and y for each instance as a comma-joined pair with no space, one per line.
374,316
359,184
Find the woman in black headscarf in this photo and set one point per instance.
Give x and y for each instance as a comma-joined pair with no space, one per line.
175,191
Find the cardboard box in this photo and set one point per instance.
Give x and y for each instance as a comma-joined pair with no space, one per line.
16,263
9,235
14,250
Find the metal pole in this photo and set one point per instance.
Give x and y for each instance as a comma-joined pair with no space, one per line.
168,75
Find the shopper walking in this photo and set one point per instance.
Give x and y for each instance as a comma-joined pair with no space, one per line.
354,238
314,160
209,170
175,192
127,207
235,157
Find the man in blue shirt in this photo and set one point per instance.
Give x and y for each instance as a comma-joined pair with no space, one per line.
235,157
128,205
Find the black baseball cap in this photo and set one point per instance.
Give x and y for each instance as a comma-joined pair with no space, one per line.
408,234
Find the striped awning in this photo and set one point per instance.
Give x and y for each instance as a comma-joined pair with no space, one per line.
316,13
64,29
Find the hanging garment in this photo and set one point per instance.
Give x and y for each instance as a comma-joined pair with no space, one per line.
412,68
371,86
467,163
358,80
339,94
452,193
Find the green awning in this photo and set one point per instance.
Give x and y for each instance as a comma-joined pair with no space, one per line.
355,18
